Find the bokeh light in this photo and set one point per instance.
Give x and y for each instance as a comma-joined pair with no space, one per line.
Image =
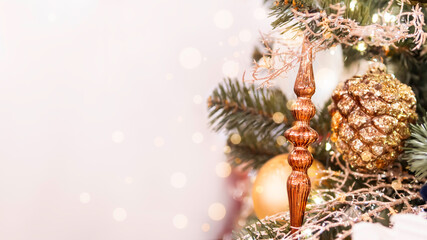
223,19
206,227
119,214
197,99
260,13
178,180
197,137
128,180
159,141
223,169
84,197
245,35
51,17
227,149
180,221
278,117
281,140
190,58
235,138
118,136
216,211
169,76
230,68
233,41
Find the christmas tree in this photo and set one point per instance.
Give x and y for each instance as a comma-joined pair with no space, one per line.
370,159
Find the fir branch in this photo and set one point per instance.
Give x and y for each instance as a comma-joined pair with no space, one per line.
248,111
253,153
415,153
235,108
362,11
411,68
233,105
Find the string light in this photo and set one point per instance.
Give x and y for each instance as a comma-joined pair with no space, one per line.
375,18
353,5
388,17
361,46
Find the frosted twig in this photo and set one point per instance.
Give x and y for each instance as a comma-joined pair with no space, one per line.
325,30
342,205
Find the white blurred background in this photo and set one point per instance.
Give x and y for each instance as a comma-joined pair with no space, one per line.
103,130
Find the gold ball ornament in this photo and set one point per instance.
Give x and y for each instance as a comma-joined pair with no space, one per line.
269,192
370,118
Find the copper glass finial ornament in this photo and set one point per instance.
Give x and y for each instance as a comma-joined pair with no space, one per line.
301,135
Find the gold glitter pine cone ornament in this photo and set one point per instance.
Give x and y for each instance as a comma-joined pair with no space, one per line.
370,118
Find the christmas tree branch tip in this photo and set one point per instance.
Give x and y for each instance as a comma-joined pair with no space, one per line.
415,150
253,118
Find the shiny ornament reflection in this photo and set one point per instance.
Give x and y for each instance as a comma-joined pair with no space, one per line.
269,193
